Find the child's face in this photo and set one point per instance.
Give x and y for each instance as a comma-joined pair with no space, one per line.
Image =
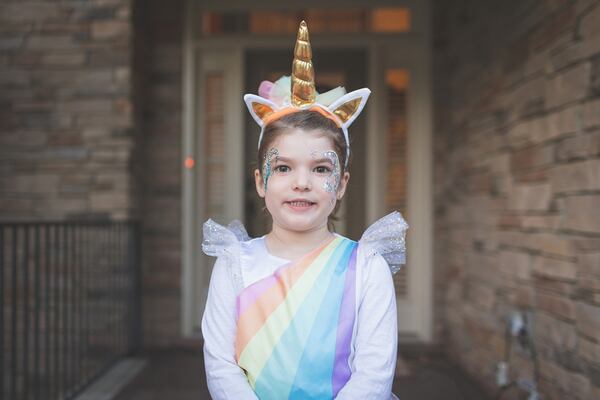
301,180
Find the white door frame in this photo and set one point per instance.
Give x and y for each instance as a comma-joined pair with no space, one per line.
417,58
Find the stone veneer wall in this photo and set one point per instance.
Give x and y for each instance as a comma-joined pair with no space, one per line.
517,185
66,126
159,75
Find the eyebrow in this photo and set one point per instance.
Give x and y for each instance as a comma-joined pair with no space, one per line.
316,161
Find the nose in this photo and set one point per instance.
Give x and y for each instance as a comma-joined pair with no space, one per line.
302,180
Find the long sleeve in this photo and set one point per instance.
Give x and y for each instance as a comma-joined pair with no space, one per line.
376,336
225,378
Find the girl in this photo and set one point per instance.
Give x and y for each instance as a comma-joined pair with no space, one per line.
302,312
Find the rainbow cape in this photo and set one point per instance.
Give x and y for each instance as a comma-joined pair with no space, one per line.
295,327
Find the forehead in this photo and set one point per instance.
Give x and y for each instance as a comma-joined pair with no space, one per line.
301,142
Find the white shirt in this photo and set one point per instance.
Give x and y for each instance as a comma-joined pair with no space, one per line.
374,345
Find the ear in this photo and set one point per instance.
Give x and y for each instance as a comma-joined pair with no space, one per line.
260,108
343,185
260,185
350,105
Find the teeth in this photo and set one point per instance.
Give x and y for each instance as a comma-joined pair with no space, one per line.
300,203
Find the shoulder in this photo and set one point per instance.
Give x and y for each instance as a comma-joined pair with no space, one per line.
222,240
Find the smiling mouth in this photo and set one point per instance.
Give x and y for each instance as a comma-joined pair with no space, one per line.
300,203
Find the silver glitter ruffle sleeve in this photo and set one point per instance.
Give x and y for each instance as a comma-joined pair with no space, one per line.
386,237
220,241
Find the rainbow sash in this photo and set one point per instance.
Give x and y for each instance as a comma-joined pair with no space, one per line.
295,326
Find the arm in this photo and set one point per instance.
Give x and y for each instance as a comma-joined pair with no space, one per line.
226,380
376,336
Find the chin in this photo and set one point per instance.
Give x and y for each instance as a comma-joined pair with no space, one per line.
299,224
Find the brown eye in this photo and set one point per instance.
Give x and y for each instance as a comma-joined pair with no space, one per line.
321,169
282,168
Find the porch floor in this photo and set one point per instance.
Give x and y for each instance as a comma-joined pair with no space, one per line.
178,374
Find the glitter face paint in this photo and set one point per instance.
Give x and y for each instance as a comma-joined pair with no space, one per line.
333,182
273,153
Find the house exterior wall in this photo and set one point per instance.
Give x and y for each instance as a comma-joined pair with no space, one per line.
517,186
90,127
66,126
159,27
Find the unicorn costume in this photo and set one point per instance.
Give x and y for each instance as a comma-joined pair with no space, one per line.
319,327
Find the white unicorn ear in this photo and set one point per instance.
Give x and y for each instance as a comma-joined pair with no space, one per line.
350,105
259,107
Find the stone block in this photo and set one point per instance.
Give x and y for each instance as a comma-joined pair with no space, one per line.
516,264
537,242
586,244
96,134
108,201
481,296
110,29
120,181
578,147
61,206
568,86
555,268
563,122
100,106
25,11
532,157
589,350
38,184
13,207
106,120
64,59
589,263
582,213
595,75
543,222
587,284
521,296
65,139
23,138
588,320
535,197
557,305
51,42
591,114
11,43
564,55
589,30
64,153
528,132
75,184
549,285
577,176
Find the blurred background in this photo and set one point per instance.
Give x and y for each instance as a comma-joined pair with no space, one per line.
122,129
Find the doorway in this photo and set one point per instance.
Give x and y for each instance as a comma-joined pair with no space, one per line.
391,142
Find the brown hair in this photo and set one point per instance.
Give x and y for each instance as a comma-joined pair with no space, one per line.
308,121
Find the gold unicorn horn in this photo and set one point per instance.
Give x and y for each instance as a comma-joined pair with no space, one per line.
303,74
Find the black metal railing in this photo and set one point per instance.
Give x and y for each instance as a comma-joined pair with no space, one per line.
69,304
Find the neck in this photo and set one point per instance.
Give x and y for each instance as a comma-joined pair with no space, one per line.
291,245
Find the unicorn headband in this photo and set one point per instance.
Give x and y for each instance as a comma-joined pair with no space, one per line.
292,94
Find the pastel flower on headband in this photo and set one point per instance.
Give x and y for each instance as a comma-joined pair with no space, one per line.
280,92
297,92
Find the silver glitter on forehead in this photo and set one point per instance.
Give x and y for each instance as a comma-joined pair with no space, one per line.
333,181
267,171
